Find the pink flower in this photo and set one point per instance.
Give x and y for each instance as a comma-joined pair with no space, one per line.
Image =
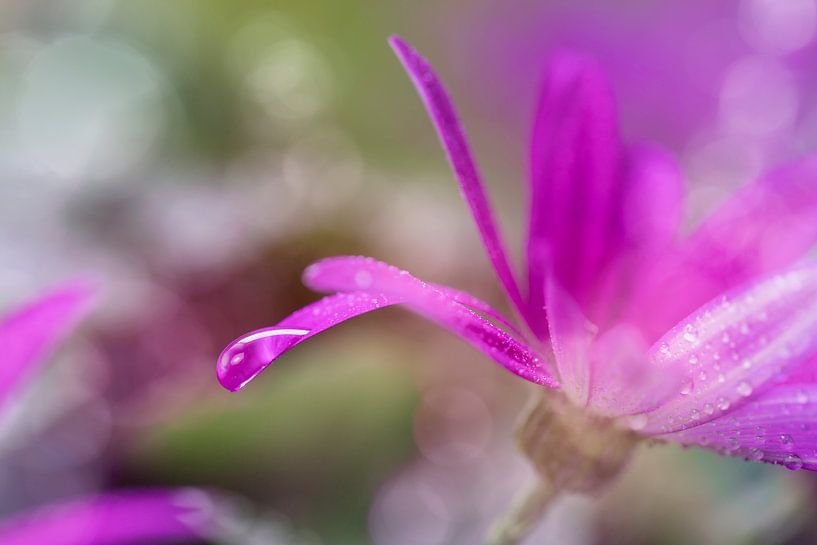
117,518
705,339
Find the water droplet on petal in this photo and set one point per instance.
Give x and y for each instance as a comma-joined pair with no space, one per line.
709,409
755,454
792,462
693,360
744,389
786,442
637,422
723,403
690,333
363,279
247,356
746,364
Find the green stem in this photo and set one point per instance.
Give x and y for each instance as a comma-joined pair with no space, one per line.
523,517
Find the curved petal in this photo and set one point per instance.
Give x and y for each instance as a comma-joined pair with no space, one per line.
28,333
779,427
442,114
357,273
574,168
737,346
122,518
765,226
250,354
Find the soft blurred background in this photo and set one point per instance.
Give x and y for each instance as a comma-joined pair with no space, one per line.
197,155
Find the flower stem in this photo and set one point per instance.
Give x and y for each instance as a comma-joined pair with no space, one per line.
525,514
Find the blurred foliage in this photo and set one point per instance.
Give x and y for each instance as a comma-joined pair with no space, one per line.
313,438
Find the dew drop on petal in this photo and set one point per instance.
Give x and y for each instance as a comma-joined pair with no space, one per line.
755,454
247,356
637,422
792,462
709,409
690,333
723,403
786,442
693,360
744,389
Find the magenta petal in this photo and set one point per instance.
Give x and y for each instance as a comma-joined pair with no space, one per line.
778,426
359,273
574,168
28,333
765,226
250,354
737,346
442,114
123,518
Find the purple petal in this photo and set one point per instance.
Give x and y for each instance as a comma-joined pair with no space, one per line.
778,426
765,226
737,346
442,114
122,518
574,167
250,354
359,273
27,334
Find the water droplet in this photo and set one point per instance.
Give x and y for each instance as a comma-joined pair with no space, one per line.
693,360
686,389
690,333
709,409
721,378
792,462
755,454
663,348
637,422
702,376
801,397
746,364
732,443
248,355
695,414
744,389
786,442
723,403
363,279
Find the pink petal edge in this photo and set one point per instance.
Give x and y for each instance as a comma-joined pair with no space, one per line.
118,518
28,333
452,136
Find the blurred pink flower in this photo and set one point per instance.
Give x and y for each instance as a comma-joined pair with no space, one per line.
707,339
118,518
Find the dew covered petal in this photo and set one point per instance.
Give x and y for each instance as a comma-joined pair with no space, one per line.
119,518
442,114
778,426
738,346
28,333
250,354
